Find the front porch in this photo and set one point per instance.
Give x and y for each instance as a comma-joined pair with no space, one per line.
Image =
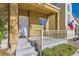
25,21
32,14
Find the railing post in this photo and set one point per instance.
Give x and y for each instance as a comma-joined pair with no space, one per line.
42,39
41,42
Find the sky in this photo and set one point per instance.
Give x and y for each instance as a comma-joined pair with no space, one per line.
75,9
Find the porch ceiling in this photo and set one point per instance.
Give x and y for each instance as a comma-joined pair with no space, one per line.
42,8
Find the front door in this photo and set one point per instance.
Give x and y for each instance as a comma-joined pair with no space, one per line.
23,26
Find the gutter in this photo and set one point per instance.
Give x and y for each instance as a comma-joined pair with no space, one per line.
52,6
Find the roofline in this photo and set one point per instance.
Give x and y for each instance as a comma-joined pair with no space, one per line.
53,6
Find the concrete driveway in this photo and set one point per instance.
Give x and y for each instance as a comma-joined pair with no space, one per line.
76,53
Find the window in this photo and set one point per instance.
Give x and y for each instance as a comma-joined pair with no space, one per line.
42,22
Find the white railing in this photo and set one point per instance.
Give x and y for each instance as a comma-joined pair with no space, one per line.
48,36
59,34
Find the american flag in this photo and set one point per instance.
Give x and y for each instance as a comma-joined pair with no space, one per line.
70,25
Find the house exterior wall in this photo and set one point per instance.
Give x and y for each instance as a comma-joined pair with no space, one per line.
52,22
65,16
61,24
34,22
34,19
34,27
22,12
61,15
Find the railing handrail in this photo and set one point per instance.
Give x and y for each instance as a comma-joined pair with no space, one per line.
55,30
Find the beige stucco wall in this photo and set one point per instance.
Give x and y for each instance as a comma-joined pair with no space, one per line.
34,27
22,12
51,25
52,22
34,22
61,24
62,34
62,17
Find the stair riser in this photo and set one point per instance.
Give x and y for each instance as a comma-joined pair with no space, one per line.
25,51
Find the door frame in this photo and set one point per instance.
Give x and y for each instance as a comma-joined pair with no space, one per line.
28,24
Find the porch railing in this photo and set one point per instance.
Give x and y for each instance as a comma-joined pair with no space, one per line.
48,36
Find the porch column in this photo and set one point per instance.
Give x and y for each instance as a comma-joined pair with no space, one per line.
58,25
13,26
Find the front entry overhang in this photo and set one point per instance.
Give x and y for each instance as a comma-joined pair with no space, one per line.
44,8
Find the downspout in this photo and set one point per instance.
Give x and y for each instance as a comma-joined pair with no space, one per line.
9,25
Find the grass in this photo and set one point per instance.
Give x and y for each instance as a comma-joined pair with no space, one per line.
59,50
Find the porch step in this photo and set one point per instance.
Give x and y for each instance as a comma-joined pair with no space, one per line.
24,48
21,46
26,51
31,54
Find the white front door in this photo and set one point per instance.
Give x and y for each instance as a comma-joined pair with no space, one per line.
23,25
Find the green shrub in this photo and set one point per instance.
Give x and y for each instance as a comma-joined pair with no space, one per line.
2,28
59,50
1,36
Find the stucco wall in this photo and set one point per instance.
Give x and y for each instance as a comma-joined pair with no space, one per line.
61,15
34,18
34,22
23,12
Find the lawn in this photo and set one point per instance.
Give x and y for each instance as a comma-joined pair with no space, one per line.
59,50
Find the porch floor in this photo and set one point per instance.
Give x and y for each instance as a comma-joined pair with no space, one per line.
49,41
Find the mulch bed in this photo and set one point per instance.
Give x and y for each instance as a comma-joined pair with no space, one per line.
3,52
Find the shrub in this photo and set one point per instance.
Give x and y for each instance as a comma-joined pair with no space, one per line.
2,28
59,50
1,36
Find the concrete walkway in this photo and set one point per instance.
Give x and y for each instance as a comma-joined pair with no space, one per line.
4,43
25,48
76,53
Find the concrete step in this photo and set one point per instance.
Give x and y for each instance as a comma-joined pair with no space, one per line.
34,53
24,45
24,48
25,51
22,41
